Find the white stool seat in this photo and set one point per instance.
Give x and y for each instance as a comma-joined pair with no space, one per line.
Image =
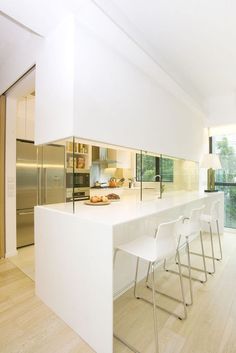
143,247
189,230
146,248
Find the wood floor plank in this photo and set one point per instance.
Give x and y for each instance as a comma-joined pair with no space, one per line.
26,324
211,323
29,326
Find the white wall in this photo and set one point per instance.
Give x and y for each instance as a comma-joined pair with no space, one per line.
118,94
117,102
221,110
55,85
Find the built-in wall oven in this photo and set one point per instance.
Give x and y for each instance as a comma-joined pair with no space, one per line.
77,186
78,180
77,194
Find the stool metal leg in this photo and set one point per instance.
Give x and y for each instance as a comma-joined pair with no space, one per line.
183,302
136,277
203,257
133,349
212,249
190,275
204,270
148,271
181,285
218,258
154,311
218,232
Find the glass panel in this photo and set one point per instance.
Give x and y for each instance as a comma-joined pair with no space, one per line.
90,168
167,169
176,175
51,173
230,205
148,167
225,147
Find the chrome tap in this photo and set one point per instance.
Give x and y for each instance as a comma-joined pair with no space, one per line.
161,186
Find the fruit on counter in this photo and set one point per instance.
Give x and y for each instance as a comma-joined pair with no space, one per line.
112,182
113,196
95,199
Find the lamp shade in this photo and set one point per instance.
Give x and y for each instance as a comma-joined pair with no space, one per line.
211,160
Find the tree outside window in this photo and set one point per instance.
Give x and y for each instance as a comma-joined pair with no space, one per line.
225,146
152,166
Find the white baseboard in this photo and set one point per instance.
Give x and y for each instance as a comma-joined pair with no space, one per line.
11,253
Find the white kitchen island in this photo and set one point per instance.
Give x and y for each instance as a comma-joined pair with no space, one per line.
74,256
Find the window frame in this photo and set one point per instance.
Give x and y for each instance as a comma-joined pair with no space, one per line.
218,183
157,169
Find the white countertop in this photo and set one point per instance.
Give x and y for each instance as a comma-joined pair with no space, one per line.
128,208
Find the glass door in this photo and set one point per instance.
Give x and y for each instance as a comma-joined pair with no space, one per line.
225,178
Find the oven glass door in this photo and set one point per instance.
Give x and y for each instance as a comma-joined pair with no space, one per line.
81,180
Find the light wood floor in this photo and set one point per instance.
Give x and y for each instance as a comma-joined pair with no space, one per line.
24,260
29,326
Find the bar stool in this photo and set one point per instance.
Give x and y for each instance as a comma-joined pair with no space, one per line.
211,218
153,250
189,230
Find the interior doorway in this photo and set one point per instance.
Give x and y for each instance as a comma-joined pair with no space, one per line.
15,124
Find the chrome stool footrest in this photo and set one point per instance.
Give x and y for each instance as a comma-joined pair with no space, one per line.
207,256
198,269
163,309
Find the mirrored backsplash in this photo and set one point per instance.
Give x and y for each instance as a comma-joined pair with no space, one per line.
77,169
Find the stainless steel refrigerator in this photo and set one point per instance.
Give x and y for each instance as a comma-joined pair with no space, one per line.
40,179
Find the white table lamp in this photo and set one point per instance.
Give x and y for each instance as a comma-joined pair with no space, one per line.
211,162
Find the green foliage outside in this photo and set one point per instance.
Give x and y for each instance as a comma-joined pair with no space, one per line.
167,169
150,168
227,175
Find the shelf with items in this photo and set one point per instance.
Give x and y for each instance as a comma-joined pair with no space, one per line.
79,148
79,159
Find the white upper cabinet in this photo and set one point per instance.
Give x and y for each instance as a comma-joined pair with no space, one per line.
25,118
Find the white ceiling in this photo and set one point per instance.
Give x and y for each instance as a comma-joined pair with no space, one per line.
192,40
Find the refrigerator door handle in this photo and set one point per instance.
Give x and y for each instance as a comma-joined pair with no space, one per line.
39,186
25,213
45,185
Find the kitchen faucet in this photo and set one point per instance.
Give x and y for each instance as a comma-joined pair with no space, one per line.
161,186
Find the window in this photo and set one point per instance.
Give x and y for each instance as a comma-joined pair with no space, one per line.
167,170
225,178
152,166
